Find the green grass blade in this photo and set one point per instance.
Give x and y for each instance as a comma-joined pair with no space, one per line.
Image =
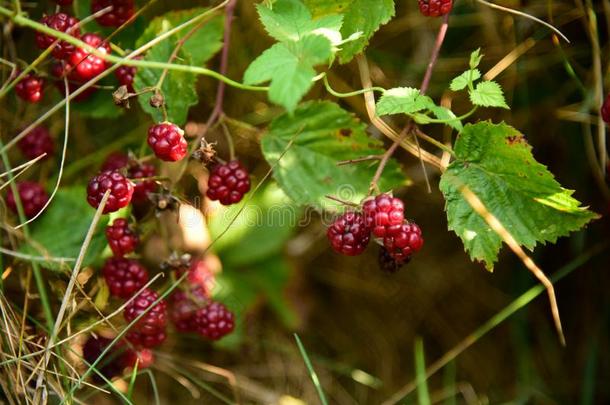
423,396
312,372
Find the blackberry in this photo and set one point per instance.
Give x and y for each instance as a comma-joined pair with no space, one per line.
84,65
382,212
30,88
59,22
111,365
184,305
120,188
387,263
435,8
124,276
349,235
59,70
115,161
121,239
126,74
167,141
403,240
32,195
153,323
122,10
153,339
228,183
214,321
142,188
36,142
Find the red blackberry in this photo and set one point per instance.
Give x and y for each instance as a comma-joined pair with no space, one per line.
32,195
30,88
122,10
154,320
60,22
142,188
126,74
120,188
121,238
605,110
144,357
228,183
403,240
167,141
214,321
382,212
349,235
59,70
115,161
435,8
387,263
84,65
153,339
124,276
36,142
184,305
111,365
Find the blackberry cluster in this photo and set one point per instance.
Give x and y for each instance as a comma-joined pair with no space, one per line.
32,195
30,88
124,276
167,141
435,8
121,190
383,216
121,238
149,330
36,142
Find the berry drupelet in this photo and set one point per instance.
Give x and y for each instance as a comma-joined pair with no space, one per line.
214,321
32,195
349,234
167,141
30,88
120,188
59,22
228,183
36,142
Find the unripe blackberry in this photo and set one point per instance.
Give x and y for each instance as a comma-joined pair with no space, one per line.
84,65
59,22
381,212
149,330
214,321
228,183
122,10
36,142
142,188
167,141
124,276
435,8
32,195
30,88
349,235
120,188
403,240
121,239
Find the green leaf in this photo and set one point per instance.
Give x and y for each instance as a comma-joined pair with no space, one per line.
179,88
475,58
462,81
262,227
61,230
495,162
443,113
289,66
488,94
363,17
321,134
405,100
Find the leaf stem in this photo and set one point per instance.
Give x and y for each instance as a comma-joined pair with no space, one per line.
351,93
